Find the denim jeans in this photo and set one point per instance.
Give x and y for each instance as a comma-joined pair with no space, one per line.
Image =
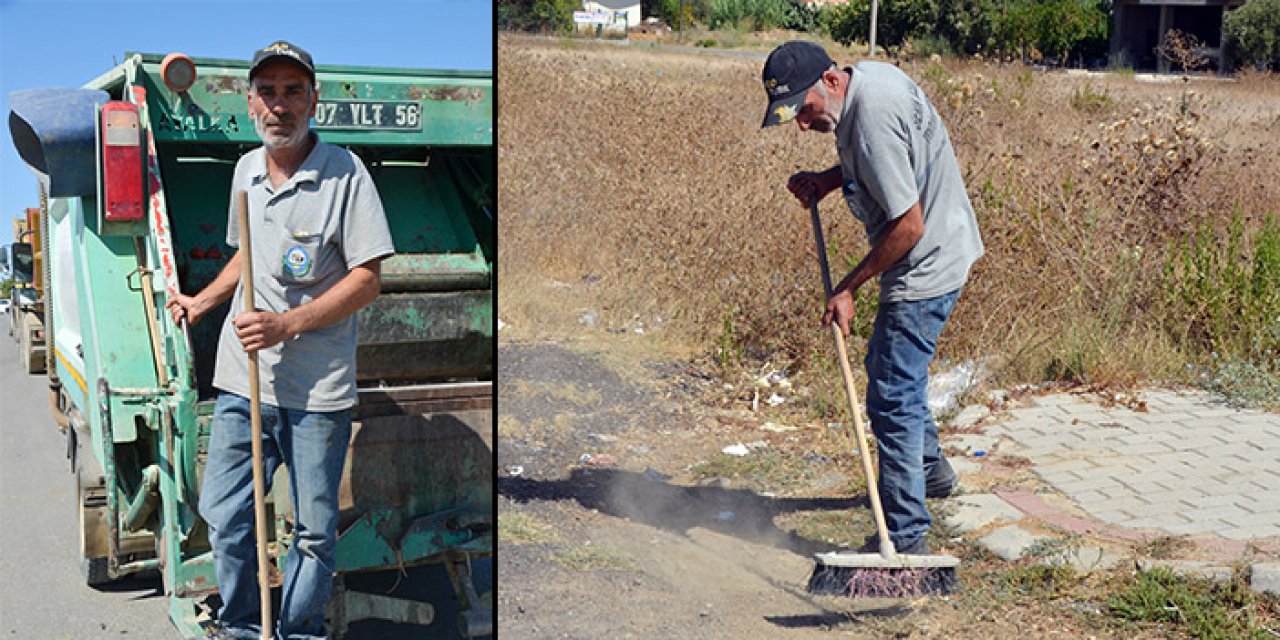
898,356
313,446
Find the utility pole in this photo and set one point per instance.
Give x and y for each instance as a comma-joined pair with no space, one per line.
681,21
875,6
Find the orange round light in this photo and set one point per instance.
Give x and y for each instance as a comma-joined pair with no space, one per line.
178,72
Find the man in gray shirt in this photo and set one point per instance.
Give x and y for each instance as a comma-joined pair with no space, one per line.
319,235
899,176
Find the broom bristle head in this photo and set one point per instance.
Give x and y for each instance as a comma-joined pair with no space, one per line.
879,582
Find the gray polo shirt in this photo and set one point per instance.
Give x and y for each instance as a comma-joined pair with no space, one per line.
307,235
894,152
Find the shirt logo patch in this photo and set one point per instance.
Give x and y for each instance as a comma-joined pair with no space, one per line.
297,261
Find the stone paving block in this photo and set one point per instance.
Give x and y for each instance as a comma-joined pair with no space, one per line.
1249,532
978,510
970,442
1101,484
1186,528
1056,400
1068,465
1009,542
1109,516
964,466
1088,558
1000,429
1154,510
1148,448
1265,577
1195,568
970,416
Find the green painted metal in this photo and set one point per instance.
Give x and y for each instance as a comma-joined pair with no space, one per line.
457,107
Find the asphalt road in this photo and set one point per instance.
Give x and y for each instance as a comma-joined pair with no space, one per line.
42,595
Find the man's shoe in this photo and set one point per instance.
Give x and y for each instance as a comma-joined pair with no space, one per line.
918,548
219,632
941,481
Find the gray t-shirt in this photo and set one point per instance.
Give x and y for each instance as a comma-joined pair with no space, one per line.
306,236
894,152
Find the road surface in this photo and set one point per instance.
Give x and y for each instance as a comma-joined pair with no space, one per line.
42,596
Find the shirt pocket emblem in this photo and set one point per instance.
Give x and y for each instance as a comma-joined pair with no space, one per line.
297,261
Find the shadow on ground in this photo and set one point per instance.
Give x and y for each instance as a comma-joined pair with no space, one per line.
735,512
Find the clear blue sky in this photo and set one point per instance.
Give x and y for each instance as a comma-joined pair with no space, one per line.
46,43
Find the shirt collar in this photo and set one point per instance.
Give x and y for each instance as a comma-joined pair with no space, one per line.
308,171
847,111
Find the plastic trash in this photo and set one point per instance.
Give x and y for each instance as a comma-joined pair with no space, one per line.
979,453
775,400
726,516
946,388
598,459
777,428
736,450
515,470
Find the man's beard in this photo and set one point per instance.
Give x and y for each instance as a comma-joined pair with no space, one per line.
272,141
829,119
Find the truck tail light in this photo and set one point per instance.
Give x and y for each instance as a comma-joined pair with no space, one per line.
178,72
121,162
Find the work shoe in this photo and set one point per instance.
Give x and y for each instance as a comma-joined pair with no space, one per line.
941,481
918,548
219,632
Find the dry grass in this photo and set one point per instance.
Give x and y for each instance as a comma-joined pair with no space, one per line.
637,184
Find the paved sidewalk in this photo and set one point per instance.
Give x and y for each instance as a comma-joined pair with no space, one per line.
1182,463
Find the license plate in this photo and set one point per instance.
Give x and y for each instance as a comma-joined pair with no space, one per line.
368,115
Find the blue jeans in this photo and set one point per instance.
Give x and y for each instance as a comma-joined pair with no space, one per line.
313,446
898,356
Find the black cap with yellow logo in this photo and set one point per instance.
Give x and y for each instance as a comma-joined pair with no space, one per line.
789,72
282,50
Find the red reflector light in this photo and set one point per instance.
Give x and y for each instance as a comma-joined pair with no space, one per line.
121,162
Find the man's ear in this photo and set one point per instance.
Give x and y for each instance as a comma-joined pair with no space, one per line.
831,79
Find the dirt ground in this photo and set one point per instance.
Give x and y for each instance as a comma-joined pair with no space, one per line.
609,526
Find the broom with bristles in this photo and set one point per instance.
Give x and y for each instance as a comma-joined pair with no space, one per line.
886,574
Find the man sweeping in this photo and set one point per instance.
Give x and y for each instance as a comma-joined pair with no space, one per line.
899,176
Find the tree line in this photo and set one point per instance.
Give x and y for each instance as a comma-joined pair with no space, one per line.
1051,31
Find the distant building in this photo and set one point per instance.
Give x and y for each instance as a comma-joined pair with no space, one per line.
626,13
1140,26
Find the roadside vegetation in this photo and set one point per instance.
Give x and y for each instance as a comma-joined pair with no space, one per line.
1053,32
1131,229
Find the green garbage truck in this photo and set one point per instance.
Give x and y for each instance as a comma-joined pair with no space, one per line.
136,167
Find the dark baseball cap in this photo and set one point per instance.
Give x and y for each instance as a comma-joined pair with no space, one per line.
789,73
281,50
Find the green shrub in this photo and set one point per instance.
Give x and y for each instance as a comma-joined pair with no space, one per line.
760,15
1227,289
847,23
537,15
1090,100
1251,35
1208,611
1067,29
